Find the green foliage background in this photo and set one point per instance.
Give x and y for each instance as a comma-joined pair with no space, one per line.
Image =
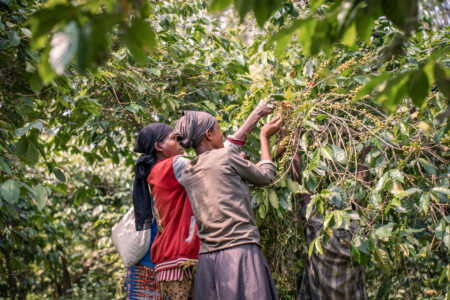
363,86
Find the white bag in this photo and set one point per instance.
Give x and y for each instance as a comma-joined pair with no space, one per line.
132,245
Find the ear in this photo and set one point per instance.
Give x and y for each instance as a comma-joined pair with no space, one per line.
158,147
208,134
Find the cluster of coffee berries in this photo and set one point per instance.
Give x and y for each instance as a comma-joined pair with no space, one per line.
283,108
288,146
336,105
284,142
346,65
322,65
365,58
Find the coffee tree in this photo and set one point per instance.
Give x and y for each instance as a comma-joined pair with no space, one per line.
362,85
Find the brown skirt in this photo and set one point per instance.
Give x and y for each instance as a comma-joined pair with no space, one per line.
240,272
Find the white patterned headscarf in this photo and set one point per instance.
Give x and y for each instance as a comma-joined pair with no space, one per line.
192,126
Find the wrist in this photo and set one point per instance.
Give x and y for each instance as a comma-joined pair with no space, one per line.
264,136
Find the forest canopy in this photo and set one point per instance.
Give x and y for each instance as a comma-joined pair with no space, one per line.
363,87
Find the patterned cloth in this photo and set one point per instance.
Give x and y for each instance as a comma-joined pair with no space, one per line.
177,290
333,275
174,274
141,283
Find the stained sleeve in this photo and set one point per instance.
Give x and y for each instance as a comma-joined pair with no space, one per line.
262,173
234,143
179,163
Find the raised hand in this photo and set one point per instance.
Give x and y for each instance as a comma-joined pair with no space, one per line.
263,109
272,127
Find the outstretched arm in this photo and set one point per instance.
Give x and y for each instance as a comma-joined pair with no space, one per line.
263,172
263,109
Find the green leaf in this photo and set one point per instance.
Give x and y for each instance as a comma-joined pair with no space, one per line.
443,82
383,260
296,188
311,248
140,39
315,244
218,5
43,21
444,274
63,47
156,72
94,40
262,211
429,168
244,6
442,232
381,183
349,36
360,249
22,131
263,9
14,38
328,77
397,175
40,194
315,3
442,190
326,152
402,13
10,191
46,71
364,25
89,106
394,91
306,38
327,220
59,175
418,87
318,245
4,166
59,189
283,37
308,70
314,161
273,198
371,85
339,154
27,151
35,83
384,231
384,290
311,204
424,202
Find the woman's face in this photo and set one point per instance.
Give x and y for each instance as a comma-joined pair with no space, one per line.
216,137
169,147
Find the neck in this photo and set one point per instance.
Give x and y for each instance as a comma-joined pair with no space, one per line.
159,156
202,148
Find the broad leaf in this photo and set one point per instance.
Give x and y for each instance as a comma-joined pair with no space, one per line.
140,39
63,47
273,198
10,191
418,87
40,194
